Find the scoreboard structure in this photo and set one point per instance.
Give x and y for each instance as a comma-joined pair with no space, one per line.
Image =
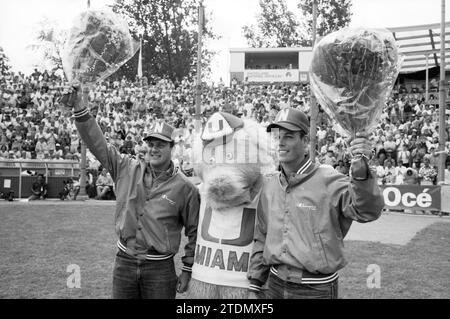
270,65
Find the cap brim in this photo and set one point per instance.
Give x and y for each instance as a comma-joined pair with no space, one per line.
286,125
159,137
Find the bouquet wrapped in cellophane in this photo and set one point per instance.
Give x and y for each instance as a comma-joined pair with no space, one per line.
352,74
99,44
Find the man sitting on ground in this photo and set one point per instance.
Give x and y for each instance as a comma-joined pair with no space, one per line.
39,188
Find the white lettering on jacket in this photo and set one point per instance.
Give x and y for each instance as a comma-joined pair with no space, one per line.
303,205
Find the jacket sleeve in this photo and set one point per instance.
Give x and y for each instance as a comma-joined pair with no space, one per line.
190,221
258,270
355,200
105,153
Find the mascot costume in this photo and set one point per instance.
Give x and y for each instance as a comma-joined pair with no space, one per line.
231,158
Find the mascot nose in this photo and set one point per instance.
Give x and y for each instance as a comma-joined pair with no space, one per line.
221,185
227,186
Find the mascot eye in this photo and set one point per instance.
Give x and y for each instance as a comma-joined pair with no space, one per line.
229,156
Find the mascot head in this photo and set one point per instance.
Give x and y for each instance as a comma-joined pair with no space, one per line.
230,156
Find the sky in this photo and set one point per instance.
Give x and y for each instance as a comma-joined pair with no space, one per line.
19,19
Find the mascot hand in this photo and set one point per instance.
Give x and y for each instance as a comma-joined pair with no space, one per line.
183,281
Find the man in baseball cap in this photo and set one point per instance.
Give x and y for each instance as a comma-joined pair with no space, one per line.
293,203
155,201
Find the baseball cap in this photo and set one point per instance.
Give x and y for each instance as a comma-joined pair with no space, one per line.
290,119
161,131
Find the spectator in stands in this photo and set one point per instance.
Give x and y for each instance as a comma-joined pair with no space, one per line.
4,153
104,184
74,141
17,154
390,172
28,147
342,168
17,143
390,158
51,138
401,138
41,148
404,156
67,154
434,158
390,146
407,111
427,127
328,145
341,154
427,173
140,149
411,177
418,153
39,188
329,158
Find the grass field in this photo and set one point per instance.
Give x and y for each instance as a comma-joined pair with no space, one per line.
39,242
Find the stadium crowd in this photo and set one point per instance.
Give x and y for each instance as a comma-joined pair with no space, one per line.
34,126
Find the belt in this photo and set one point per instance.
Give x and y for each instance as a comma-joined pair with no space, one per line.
149,254
301,276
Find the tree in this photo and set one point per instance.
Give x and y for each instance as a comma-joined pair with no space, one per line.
49,41
4,63
332,15
169,34
276,26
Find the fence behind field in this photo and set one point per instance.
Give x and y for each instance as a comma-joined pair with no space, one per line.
19,175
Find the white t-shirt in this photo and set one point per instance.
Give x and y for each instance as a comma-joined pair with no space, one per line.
224,244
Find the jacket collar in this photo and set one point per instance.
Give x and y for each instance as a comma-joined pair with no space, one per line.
306,168
164,175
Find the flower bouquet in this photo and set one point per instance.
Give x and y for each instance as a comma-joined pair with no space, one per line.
352,74
99,44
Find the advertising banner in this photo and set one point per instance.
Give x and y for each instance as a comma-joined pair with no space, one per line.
420,197
285,75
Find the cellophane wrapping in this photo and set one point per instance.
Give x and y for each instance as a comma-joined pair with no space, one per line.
352,74
99,43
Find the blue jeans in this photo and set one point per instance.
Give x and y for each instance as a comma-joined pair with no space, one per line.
280,289
143,279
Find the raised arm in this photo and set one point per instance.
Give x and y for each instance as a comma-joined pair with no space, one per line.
92,135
